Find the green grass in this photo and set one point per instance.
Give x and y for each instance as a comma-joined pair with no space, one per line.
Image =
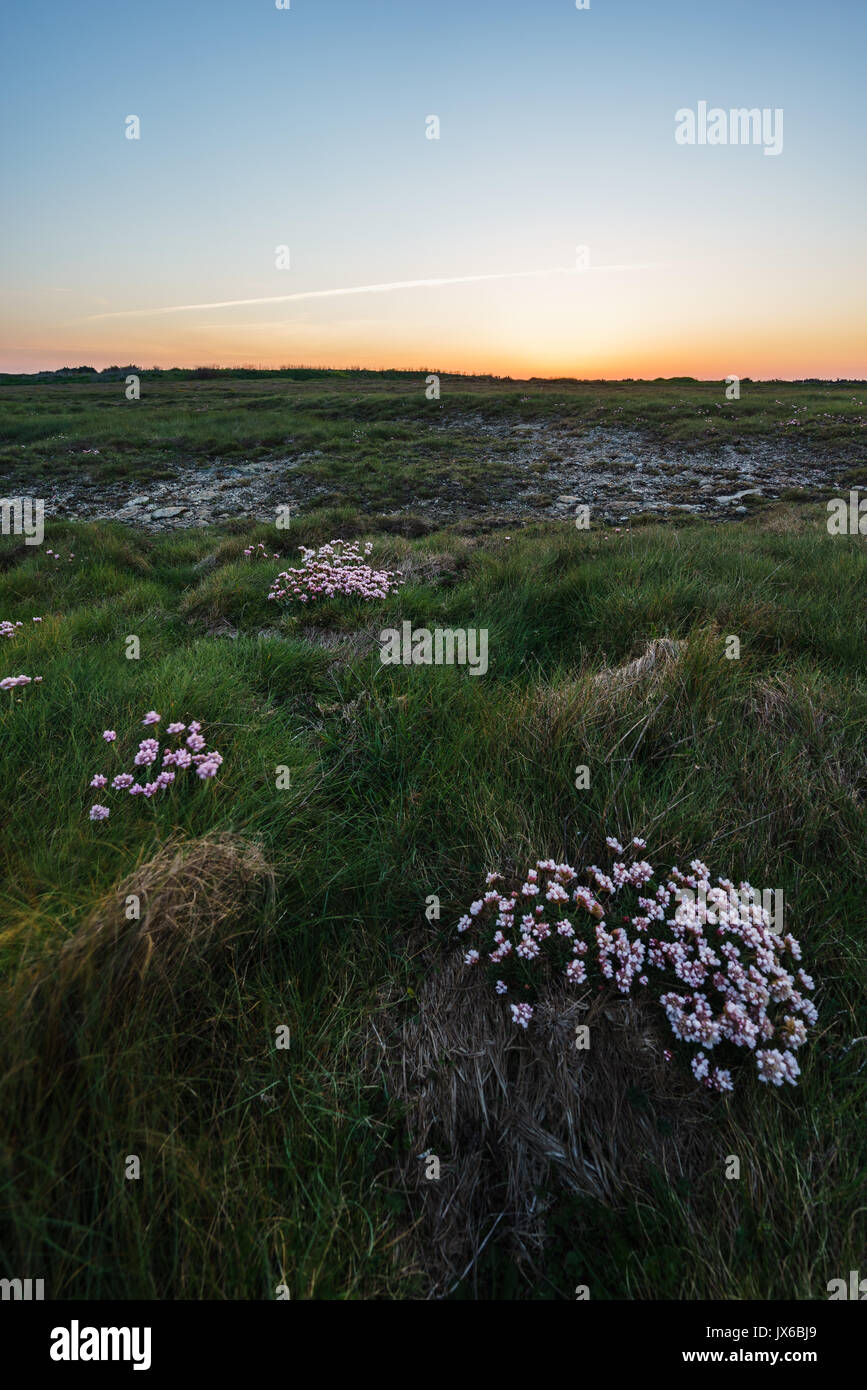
263,1166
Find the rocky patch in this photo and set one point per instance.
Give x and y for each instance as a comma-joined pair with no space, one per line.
535,471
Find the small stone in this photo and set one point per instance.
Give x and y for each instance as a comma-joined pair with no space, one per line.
736,496
165,512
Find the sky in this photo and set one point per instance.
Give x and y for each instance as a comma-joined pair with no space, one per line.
556,227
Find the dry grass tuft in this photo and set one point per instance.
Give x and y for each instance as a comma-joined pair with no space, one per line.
440,569
772,701
194,898
347,645
781,705
553,709
657,660
786,518
515,1115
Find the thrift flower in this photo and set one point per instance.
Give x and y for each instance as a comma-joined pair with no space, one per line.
722,977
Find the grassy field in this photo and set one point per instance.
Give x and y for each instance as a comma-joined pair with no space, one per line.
262,1166
373,440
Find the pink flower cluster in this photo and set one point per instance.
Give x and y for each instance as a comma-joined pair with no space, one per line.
707,952
338,568
258,552
8,629
10,682
190,752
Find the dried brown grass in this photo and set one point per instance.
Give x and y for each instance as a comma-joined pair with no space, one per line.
781,705
346,644
553,709
194,899
441,569
514,1117
657,660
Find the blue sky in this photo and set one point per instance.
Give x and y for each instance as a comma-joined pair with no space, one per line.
306,128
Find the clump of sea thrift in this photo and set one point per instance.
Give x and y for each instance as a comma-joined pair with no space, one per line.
184,754
335,569
705,953
11,683
8,629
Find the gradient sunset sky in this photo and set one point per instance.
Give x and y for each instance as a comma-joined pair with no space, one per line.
306,128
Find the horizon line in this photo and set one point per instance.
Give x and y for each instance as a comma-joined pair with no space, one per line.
447,372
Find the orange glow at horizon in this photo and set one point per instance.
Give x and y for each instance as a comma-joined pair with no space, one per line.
643,323
830,354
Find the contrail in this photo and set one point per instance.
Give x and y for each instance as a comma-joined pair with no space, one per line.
365,289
